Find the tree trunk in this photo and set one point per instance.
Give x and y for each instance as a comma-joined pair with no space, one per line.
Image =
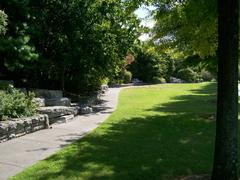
226,146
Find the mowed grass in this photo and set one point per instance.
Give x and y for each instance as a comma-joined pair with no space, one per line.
157,132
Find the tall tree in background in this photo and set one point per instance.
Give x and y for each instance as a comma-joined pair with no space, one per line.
187,30
188,27
69,44
226,145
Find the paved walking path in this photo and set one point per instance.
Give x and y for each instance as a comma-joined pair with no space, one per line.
19,153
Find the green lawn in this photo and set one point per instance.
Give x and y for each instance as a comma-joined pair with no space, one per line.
157,132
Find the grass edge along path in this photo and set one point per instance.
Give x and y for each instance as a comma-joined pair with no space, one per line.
157,132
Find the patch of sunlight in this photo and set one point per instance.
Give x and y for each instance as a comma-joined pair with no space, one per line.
97,170
159,160
199,133
184,141
145,168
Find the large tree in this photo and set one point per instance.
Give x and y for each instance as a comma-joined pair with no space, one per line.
187,26
226,145
72,43
190,27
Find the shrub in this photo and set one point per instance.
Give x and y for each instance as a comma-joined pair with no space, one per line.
170,68
206,75
147,66
189,75
159,80
15,104
105,80
127,76
83,83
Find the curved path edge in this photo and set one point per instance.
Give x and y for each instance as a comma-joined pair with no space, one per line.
22,152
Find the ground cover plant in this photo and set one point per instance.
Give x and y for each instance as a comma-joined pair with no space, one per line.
16,104
157,132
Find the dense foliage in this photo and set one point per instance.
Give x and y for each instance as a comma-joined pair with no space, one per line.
195,69
67,44
186,30
127,76
188,75
75,44
148,66
187,26
15,104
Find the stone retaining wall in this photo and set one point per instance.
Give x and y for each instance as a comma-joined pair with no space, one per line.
18,127
48,94
58,114
48,115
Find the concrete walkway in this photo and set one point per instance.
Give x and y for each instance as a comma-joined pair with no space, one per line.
19,153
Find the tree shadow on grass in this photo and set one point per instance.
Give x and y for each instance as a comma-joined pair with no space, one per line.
199,102
177,141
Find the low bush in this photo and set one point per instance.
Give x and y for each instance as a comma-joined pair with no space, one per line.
148,65
206,75
105,81
159,80
15,104
189,75
83,84
127,76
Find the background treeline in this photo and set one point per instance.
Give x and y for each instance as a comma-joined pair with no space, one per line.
72,45
155,66
76,45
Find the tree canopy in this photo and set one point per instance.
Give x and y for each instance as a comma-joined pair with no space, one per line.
188,27
67,42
